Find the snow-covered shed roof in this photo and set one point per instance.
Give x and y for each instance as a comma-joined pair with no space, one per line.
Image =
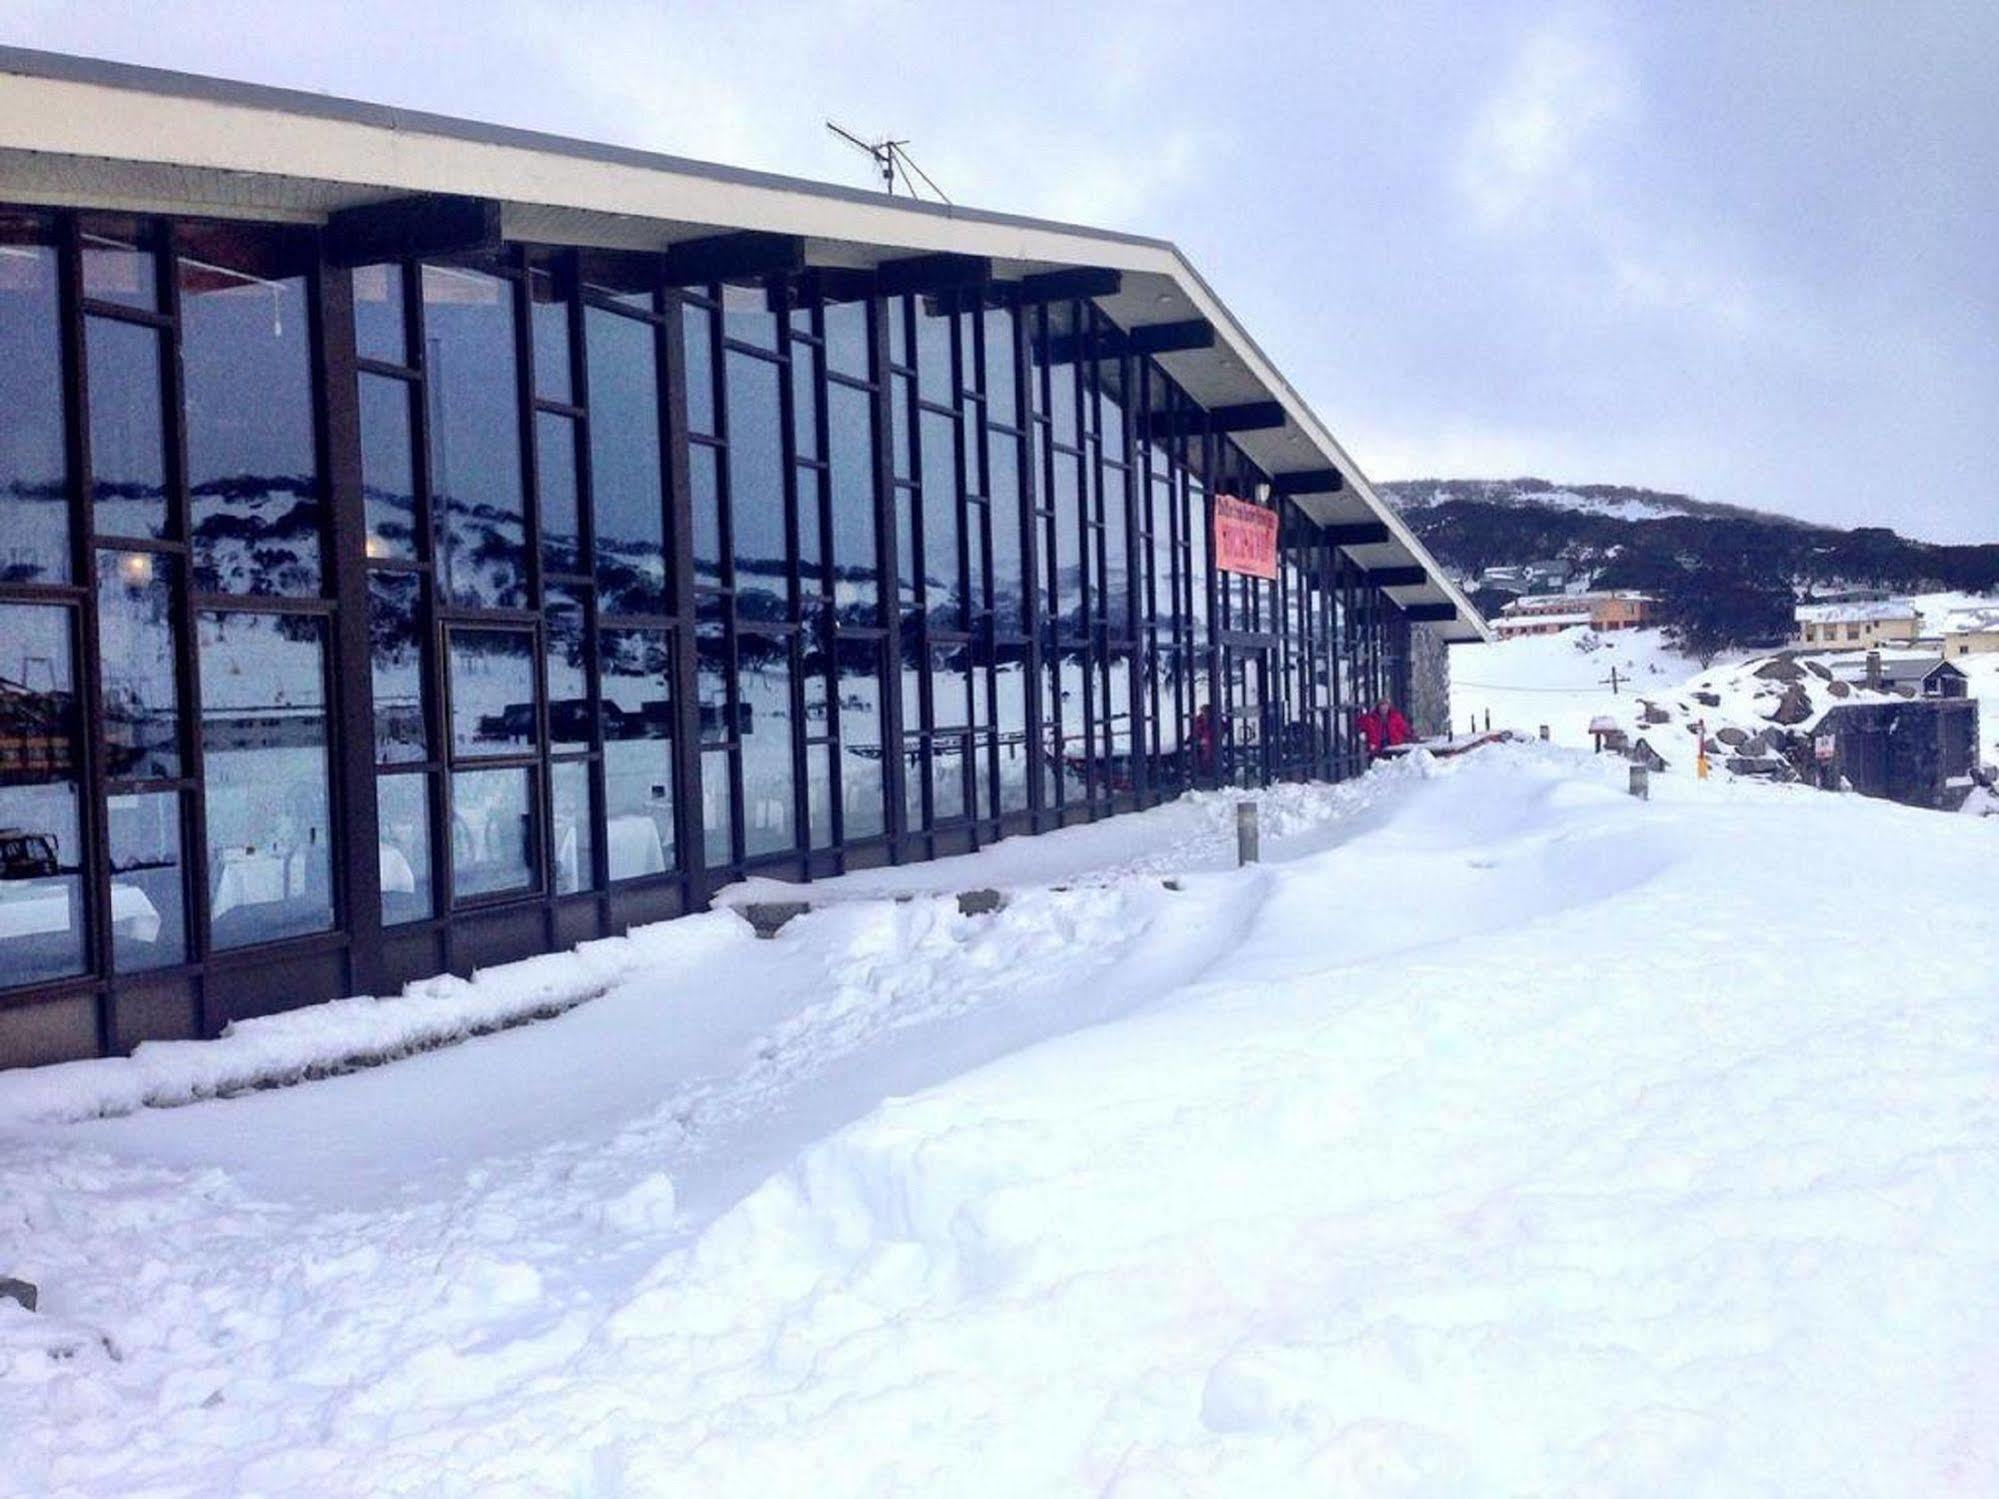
1855,613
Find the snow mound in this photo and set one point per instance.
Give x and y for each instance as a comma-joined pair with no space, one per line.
1508,1136
324,1040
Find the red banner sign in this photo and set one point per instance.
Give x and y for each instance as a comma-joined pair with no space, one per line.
1245,538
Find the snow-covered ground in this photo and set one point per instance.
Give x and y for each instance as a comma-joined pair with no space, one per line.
1501,1135
1563,681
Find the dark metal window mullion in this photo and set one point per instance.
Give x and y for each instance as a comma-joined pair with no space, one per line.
191,803
94,864
826,608
670,358
732,670
351,755
433,680
798,609
888,591
586,545
1027,450
542,793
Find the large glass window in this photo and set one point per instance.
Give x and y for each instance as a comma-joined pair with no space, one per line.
492,831
395,643
475,445
118,263
246,363
140,704
388,469
850,443
492,692
1009,574
567,647
560,511
379,329
756,486
128,456
627,501
569,785
550,313
34,495
861,765
638,752
146,882
41,851
764,669
940,515
264,751
402,810
847,338
698,330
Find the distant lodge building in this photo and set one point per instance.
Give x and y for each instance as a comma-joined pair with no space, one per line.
1970,632
1550,613
1857,626
424,545
1525,577
1912,676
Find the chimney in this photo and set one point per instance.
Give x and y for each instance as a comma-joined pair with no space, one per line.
1874,671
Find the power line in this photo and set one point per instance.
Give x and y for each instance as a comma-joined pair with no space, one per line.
1510,687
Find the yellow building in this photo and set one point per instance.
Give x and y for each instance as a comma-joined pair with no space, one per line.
1971,632
1858,626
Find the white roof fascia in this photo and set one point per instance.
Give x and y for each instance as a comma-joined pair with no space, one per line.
72,128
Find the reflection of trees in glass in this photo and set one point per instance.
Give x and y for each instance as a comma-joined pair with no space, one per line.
257,534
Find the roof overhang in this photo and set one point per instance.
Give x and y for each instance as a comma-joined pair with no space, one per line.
80,132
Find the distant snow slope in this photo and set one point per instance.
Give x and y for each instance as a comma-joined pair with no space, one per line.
1563,681
1506,1135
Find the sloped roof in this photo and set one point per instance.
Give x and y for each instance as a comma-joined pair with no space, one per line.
1856,613
82,131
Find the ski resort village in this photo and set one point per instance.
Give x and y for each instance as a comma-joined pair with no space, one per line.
672,830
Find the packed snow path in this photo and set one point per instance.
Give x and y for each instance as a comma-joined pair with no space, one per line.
1510,1136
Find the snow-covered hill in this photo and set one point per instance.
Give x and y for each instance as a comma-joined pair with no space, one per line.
1614,501
1563,681
1503,1135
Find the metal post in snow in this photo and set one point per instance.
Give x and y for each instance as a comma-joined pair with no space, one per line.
1245,833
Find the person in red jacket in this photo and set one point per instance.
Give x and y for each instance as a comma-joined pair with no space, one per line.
1383,726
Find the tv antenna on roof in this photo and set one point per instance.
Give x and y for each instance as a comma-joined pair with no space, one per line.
891,157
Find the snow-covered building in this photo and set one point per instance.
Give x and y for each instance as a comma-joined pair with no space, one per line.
424,544
1970,632
1918,675
1525,577
1859,625
1549,613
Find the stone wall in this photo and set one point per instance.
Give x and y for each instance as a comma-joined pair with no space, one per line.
1429,682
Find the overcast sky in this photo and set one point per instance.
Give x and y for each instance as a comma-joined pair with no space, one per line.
1746,252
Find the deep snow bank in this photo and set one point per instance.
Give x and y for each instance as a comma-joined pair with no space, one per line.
1521,1139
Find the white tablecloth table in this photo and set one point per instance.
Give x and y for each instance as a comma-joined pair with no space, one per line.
632,847
39,908
257,880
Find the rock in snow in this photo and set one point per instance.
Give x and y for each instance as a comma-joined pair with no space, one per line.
1499,1134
